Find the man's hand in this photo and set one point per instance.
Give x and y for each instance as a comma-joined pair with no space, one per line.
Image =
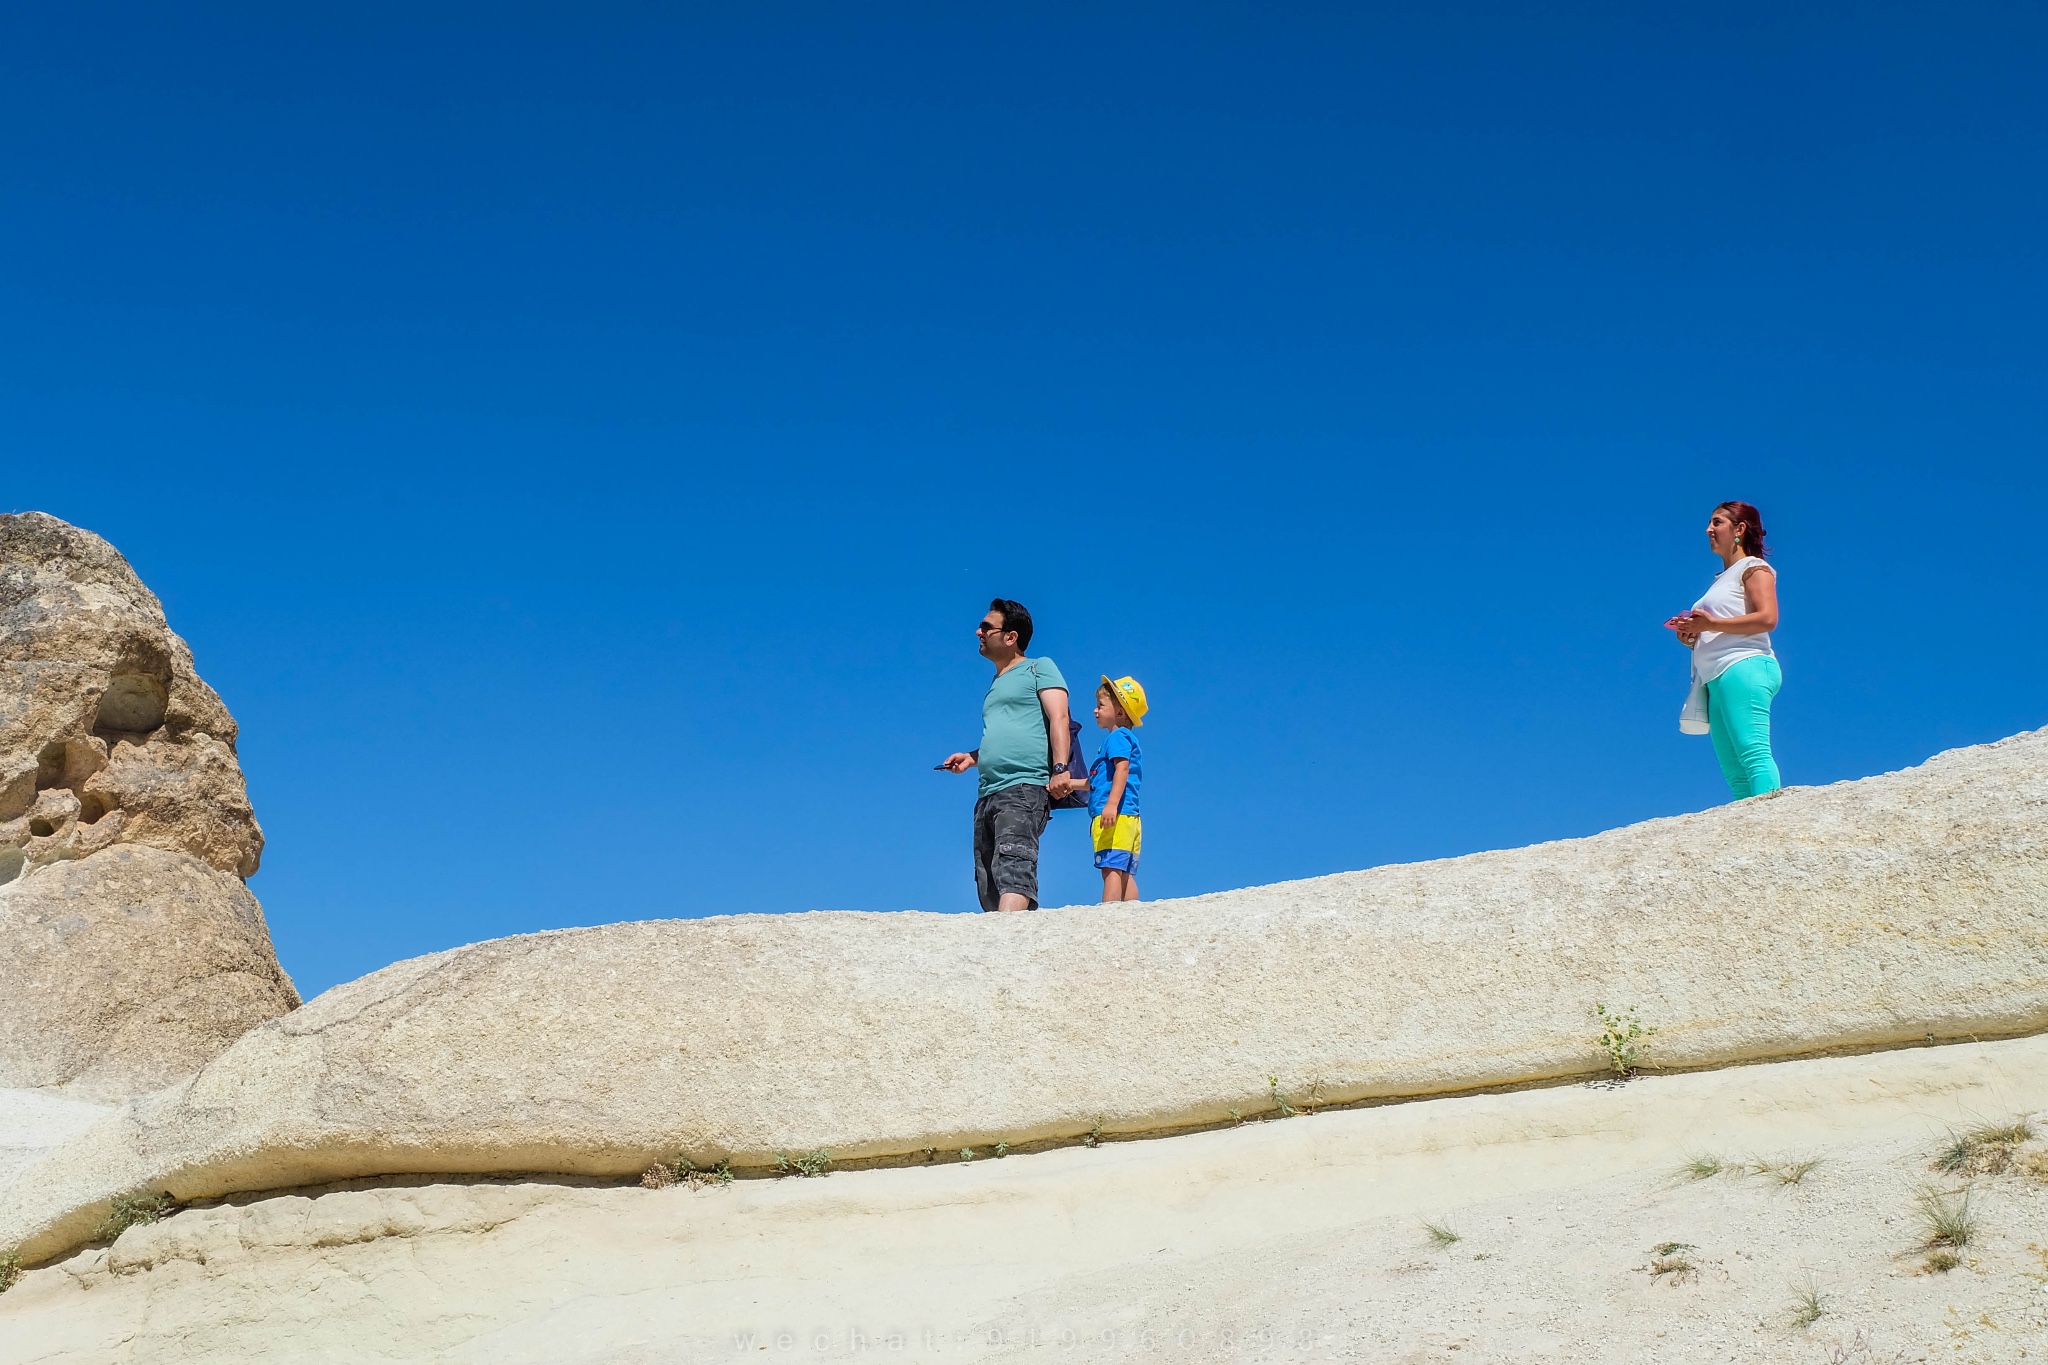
958,763
1062,783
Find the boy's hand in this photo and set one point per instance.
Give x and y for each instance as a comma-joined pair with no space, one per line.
1108,822
958,763
1062,783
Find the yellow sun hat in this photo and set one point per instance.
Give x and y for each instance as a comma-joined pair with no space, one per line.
1129,695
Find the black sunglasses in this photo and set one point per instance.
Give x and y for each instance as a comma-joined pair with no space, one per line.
983,628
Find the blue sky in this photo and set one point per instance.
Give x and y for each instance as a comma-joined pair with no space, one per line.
578,440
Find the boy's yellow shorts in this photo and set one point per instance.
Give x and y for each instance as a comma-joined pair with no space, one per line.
1118,848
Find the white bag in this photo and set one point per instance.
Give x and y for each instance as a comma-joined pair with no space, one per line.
1692,720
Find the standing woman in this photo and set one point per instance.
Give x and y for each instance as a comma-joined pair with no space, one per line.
1729,633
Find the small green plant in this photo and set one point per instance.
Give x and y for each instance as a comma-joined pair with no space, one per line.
702,1177
1314,1099
1624,1039
1941,1262
1287,1111
1702,1167
133,1211
1236,1118
1093,1137
1442,1234
1671,1248
1946,1219
10,1269
807,1164
967,1154
1002,1150
1809,1305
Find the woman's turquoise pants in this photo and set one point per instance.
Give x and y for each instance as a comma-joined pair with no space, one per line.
1739,717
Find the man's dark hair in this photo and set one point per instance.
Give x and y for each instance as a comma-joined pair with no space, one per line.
1015,617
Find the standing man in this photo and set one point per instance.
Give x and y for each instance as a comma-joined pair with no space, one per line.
1023,759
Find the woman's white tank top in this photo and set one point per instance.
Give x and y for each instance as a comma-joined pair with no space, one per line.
1717,648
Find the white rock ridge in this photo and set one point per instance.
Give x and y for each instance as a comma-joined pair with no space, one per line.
130,950
1882,912
1289,1241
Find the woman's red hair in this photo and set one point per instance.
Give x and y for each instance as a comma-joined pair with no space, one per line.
1751,521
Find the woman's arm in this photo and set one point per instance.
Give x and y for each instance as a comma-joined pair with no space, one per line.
1760,587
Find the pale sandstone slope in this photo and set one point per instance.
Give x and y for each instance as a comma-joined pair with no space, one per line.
1881,912
130,950
1289,1241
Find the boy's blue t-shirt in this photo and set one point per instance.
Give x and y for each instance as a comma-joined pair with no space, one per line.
1120,743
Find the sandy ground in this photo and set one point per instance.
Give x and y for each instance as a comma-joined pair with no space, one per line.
1301,1239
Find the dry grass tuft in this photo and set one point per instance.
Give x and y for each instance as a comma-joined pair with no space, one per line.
1442,1234
1809,1305
1988,1149
1669,1258
1941,1262
1702,1167
1784,1172
1946,1219
10,1269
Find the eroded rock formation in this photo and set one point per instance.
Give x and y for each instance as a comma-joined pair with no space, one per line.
1900,909
130,948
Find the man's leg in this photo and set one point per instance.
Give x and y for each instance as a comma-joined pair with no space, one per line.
1019,814
985,853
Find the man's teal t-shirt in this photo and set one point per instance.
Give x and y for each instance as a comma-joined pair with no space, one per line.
1014,749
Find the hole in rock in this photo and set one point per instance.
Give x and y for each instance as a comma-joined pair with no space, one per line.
131,702
50,765
90,809
41,828
12,860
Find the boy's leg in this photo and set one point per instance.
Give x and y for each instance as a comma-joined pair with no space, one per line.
1116,856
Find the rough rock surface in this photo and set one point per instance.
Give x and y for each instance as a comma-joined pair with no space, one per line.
131,951
34,1121
128,970
1299,1240
1897,909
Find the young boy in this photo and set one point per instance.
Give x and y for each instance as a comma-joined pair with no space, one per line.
1113,781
